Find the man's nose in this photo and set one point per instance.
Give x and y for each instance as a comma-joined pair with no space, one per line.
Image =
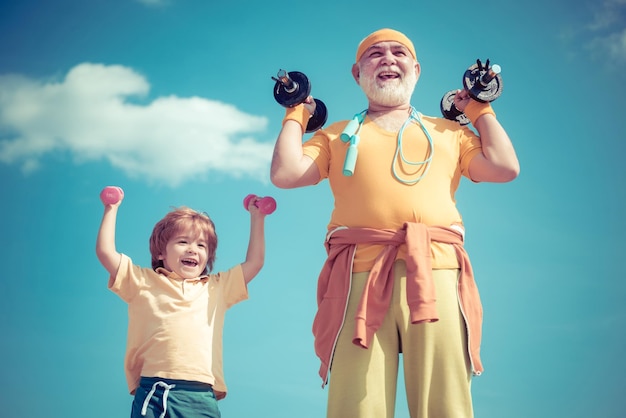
388,58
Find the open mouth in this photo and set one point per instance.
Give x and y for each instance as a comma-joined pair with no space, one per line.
189,262
388,75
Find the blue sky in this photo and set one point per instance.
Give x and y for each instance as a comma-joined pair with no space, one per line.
172,100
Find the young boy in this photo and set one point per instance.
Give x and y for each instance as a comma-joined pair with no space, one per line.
176,310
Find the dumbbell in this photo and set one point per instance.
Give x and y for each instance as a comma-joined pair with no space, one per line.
293,88
449,110
266,205
110,195
483,83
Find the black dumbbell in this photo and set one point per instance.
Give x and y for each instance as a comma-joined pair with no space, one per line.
483,83
449,110
293,88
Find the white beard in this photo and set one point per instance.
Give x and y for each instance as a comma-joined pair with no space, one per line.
393,93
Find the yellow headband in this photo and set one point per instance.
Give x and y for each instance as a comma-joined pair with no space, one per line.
383,35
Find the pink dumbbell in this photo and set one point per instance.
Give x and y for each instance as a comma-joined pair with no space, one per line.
111,195
266,205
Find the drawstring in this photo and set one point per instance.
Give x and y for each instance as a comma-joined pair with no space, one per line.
144,408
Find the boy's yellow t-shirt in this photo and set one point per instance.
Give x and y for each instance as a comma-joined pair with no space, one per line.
175,325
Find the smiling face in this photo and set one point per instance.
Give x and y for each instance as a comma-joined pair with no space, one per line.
186,254
387,73
184,242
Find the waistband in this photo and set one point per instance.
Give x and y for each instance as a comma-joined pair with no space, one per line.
176,384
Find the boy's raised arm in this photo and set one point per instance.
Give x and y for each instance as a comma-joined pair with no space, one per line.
255,256
105,243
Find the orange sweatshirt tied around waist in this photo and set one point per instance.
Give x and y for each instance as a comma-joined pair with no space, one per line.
334,286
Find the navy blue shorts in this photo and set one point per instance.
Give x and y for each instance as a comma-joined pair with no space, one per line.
170,398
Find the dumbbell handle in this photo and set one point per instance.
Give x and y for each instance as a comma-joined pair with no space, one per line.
293,88
492,72
283,78
267,204
110,195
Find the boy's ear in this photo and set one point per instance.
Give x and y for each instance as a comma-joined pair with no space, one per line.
160,257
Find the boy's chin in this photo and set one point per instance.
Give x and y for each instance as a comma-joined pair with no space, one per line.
190,272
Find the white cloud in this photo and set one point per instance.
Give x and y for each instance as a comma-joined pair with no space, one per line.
605,15
607,31
611,48
88,114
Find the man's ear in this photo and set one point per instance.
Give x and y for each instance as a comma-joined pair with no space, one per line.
356,73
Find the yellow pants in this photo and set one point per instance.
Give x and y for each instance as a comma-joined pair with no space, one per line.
437,370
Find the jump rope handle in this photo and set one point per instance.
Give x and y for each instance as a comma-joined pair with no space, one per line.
267,204
110,195
351,154
350,135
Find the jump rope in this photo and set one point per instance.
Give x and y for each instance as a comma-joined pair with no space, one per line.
351,134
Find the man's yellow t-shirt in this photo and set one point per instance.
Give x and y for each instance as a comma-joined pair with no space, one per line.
373,198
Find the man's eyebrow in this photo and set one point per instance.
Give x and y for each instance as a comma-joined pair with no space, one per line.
393,47
400,46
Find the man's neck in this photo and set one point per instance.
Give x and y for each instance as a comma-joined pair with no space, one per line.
389,118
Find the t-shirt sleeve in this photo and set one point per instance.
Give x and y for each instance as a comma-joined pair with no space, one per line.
127,280
234,285
470,147
318,146
317,149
